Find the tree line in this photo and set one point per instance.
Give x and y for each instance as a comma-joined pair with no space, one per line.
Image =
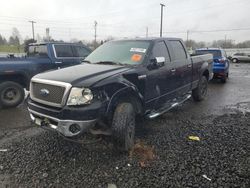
217,44
16,40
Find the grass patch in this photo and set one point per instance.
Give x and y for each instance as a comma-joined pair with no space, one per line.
11,49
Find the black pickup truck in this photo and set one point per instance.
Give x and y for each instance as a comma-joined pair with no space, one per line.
16,72
118,81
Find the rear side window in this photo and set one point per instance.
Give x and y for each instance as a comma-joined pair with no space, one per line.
160,50
81,51
178,50
63,51
38,51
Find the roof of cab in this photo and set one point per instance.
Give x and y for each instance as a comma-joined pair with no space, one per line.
45,43
200,49
147,39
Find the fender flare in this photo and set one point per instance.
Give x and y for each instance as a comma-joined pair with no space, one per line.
126,93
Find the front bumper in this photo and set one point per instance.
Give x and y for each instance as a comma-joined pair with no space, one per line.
68,121
68,128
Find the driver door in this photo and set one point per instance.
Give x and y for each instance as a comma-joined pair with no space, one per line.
160,83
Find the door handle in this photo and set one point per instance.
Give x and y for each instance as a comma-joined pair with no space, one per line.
142,77
173,70
189,66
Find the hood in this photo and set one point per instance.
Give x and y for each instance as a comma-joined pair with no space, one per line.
87,73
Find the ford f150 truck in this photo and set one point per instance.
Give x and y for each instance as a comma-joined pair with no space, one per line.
119,80
15,73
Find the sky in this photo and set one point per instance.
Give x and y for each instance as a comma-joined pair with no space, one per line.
206,20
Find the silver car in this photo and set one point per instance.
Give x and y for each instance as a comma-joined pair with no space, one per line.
237,57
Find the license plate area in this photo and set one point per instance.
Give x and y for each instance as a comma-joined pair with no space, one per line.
45,122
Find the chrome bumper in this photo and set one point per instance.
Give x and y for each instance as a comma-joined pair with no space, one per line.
68,128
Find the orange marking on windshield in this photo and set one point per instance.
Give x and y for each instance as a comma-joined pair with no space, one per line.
136,57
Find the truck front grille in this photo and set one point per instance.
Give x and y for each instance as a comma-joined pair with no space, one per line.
48,92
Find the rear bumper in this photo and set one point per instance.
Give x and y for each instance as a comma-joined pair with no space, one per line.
220,69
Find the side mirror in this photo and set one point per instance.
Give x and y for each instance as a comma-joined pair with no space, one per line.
157,62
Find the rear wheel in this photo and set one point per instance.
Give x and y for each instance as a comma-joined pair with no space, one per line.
224,79
11,94
123,127
200,92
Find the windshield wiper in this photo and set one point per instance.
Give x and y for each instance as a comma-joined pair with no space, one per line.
109,63
86,61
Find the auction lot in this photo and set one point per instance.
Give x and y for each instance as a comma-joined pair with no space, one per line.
32,157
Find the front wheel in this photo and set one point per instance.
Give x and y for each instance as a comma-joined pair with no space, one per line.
11,94
200,92
123,127
234,60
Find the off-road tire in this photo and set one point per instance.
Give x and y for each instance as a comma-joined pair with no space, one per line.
200,92
11,94
123,127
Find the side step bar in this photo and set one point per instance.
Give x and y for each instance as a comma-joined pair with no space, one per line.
160,112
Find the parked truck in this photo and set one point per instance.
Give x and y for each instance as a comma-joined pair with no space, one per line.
16,72
119,81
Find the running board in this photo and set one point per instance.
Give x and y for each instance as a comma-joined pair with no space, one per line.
160,112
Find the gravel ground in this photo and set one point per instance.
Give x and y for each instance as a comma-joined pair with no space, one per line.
43,159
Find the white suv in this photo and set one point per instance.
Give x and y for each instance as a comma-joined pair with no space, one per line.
237,57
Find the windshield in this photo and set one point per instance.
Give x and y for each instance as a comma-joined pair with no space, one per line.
120,52
38,51
216,53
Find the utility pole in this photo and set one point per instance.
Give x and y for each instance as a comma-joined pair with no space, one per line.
162,5
187,37
146,32
33,32
95,26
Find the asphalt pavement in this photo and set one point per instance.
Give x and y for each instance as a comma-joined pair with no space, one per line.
218,154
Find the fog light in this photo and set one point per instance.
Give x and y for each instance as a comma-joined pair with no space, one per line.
74,128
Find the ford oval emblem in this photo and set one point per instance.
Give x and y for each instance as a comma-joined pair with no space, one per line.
44,92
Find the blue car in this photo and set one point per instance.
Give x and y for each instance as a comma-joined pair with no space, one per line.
220,64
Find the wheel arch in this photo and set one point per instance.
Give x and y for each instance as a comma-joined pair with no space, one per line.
126,94
17,78
206,74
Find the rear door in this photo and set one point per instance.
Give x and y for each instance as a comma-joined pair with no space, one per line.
183,67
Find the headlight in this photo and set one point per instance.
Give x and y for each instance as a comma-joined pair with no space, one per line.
79,96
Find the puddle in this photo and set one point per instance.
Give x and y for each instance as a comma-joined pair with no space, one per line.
242,107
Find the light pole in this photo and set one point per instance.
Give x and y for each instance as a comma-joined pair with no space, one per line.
162,5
